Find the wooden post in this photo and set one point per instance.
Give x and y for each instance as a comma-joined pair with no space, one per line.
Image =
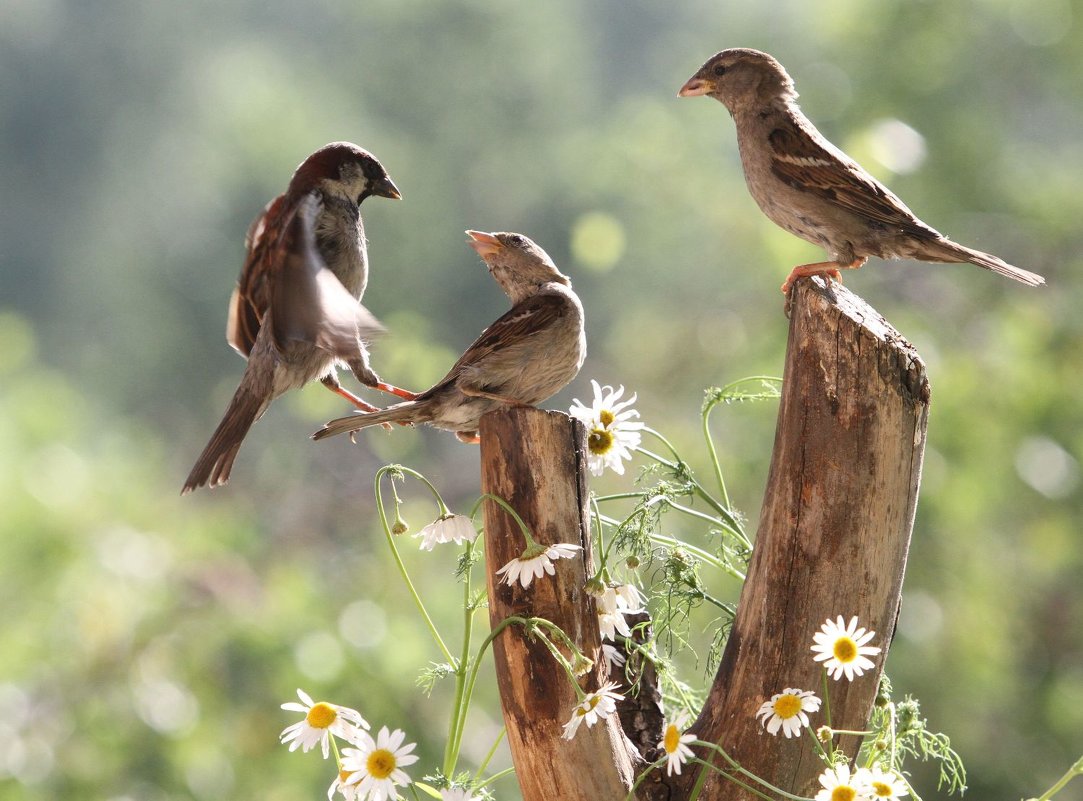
535,460
833,535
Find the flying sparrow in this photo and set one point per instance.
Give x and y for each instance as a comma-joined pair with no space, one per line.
808,186
295,312
527,355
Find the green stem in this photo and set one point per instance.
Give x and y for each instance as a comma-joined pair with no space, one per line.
737,767
530,542
1073,771
402,567
413,473
639,779
699,553
699,488
489,756
701,779
460,707
714,454
496,776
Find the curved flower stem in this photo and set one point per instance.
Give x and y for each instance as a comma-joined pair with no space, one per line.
461,703
1075,770
681,468
699,553
639,779
737,767
722,396
414,474
402,567
701,779
489,756
530,542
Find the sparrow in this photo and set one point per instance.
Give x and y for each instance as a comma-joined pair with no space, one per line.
530,353
806,185
295,312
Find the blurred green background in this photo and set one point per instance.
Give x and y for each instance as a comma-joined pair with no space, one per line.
149,639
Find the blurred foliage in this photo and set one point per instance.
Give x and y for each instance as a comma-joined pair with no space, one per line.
149,640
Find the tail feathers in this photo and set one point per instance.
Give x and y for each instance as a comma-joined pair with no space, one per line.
954,251
214,464
408,412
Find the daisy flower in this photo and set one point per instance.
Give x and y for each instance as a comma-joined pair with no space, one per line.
534,561
613,604
456,794
342,785
375,766
884,784
838,785
611,431
447,528
675,744
787,711
595,706
320,722
613,657
842,648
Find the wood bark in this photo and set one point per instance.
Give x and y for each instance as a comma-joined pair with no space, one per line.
535,460
833,534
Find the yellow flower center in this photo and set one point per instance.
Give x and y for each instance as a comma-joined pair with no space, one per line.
843,793
600,441
380,764
786,706
343,775
672,738
321,716
881,790
845,649
605,417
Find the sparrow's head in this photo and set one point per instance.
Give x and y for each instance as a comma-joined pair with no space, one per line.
344,170
741,79
517,264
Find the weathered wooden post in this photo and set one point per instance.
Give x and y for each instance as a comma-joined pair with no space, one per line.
832,540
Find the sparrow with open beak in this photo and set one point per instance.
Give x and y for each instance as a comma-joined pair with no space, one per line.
526,356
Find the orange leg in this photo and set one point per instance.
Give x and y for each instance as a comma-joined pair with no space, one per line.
469,437
356,401
830,268
405,394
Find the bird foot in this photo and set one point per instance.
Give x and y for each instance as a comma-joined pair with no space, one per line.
469,437
405,394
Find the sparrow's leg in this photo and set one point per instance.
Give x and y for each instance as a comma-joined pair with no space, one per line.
331,382
469,437
366,376
830,268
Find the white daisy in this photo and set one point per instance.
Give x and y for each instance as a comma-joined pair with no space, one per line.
838,785
447,528
342,785
629,597
375,766
787,711
320,722
613,604
842,648
611,431
613,657
675,744
456,794
884,784
534,561
595,706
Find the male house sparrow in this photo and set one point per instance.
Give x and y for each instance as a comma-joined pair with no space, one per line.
295,312
527,355
808,186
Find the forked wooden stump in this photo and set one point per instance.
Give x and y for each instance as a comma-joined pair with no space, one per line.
832,540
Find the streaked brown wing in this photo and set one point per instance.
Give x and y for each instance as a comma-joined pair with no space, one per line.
533,314
800,161
252,295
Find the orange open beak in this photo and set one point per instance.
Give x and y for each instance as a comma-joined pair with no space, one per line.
694,86
484,244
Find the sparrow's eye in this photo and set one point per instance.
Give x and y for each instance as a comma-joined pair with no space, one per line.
720,69
516,239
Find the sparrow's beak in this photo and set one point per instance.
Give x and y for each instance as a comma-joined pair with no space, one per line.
484,244
387,188
694,86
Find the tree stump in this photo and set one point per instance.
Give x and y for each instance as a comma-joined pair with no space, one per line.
834,530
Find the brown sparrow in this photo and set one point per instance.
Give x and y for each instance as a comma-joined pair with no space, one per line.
295,312
808,186
527,355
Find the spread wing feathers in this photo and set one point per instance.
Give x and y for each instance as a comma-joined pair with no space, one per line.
509,334
310,303
807,162
251,297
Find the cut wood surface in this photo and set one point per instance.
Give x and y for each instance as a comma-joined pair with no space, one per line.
535,460
833,534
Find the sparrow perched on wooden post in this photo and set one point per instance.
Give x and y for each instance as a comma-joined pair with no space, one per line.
806,185
295,312
530,353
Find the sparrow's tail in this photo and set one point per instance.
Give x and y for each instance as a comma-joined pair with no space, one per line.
409,412
213,465
953,251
